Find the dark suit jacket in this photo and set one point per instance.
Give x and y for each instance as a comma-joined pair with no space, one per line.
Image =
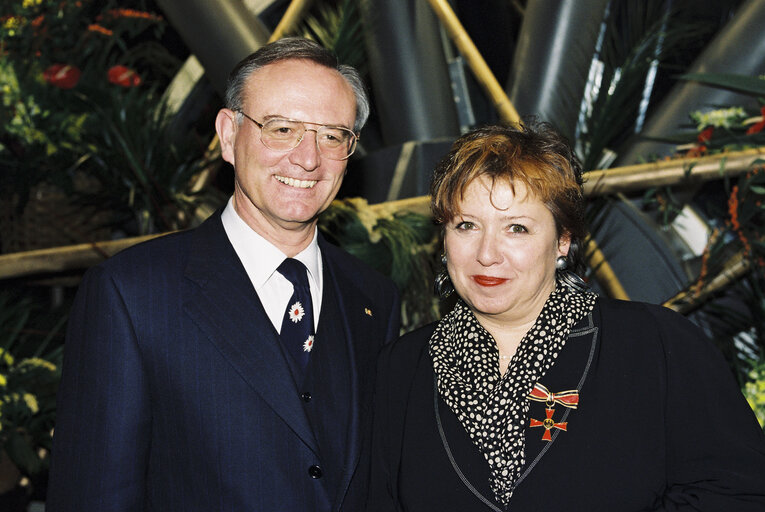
176,394
661,425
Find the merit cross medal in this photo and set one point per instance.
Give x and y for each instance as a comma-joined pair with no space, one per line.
568,399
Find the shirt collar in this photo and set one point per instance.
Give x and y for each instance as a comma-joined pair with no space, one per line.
260,257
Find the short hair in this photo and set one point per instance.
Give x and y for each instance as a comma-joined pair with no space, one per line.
533,154
295,48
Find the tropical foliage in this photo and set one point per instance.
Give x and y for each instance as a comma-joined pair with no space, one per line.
401,245
82,85
735,214
29,375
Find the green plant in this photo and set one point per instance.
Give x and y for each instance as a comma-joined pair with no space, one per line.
754,391
401,245
29,375
734,208
88,102
338,28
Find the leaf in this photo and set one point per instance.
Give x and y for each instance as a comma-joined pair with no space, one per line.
750,85
22,454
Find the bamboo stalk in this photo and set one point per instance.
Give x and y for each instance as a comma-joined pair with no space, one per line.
602,270
614,180
60,259
419,205
476,62
291,17
669,172
604,274
735,268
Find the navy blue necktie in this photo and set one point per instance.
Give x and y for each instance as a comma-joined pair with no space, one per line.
297,324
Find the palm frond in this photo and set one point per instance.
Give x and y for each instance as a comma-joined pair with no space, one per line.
338,28
751,85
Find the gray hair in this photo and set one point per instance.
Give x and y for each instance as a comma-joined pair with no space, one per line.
295,48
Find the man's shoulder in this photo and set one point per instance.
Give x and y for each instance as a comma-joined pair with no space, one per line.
154,251
166,253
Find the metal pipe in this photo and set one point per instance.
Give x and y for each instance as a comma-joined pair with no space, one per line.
219,33
475,60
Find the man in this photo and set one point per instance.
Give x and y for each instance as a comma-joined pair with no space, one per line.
180,389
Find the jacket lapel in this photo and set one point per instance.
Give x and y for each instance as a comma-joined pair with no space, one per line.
227,309
351,303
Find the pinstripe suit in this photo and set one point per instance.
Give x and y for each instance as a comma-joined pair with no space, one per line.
176,394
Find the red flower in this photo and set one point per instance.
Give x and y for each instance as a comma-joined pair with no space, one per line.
101,30
123,76
132,13
703,137
63,76
757,127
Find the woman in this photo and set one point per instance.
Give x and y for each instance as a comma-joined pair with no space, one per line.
536,394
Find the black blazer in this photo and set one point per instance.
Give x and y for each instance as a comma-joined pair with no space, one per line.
176,395
661,425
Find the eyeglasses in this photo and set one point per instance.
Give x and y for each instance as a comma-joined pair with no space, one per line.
334,142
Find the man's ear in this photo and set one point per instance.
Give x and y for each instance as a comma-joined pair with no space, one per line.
564,244
225,126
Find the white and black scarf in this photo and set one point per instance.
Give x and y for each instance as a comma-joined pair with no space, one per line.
493,408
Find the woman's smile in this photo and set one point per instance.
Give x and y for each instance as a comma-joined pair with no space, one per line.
489,280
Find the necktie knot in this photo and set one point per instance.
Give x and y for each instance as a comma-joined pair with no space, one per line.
294,271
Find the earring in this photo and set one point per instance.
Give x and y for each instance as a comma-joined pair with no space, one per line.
572,281
443,284
569,279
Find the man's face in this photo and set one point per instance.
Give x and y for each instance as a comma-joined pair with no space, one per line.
280,191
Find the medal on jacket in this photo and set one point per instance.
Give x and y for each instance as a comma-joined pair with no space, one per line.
568,399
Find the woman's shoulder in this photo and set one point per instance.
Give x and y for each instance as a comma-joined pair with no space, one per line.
412,342
640,316
404,354
644,327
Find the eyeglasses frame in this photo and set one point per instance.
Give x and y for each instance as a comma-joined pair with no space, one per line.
261,125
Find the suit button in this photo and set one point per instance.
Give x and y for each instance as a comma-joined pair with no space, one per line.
314,471
306,396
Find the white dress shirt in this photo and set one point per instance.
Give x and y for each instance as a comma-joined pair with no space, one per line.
261,259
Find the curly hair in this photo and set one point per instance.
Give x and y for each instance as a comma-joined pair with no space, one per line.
533,154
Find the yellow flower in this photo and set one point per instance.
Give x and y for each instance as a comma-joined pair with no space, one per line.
26,4
6,357
38,363
12,23
723,117
31,402
3,380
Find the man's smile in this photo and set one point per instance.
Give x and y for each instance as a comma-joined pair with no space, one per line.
292,182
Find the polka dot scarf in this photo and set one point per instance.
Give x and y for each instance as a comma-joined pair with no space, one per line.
493,408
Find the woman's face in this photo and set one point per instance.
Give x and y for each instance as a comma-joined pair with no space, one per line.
501,250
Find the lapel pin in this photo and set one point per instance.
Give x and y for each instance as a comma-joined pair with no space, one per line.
368,311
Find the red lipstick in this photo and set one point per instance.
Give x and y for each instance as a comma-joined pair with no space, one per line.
488,280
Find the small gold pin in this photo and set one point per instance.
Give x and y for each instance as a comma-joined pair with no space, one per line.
368,311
